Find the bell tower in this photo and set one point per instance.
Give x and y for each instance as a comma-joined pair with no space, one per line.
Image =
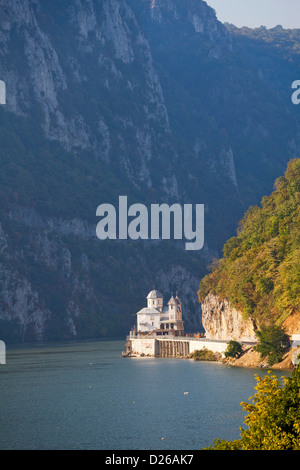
178,308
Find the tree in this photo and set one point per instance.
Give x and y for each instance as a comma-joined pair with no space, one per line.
273,417
272,343
234,349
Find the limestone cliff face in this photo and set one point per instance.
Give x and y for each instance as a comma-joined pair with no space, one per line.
56,281
196,14
102,55
83,73
221,321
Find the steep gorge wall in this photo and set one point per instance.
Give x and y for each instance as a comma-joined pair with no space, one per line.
79,81
108,98
57,280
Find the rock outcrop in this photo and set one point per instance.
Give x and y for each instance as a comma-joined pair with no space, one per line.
221,321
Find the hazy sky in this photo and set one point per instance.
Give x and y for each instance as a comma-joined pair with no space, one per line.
254,13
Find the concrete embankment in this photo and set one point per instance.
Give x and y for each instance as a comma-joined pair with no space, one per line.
171,347
185,347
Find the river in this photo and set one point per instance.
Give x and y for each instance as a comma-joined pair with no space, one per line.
84,395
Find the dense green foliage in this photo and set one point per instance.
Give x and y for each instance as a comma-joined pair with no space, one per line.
287,41
272,342
273,417
234,349
260,270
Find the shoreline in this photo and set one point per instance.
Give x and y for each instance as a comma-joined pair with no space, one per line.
249,359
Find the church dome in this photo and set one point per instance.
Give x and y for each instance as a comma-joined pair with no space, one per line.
154,294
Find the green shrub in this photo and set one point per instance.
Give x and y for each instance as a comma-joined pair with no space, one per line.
203,355
272,342
273,418
234,349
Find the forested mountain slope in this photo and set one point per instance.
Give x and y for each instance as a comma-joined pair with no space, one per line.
260,271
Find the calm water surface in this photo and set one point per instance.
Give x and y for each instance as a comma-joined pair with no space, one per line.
83,395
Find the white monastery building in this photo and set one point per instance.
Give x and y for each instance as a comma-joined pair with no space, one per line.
159,331
158,319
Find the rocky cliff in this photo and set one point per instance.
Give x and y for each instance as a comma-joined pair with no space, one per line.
139,98
222,321
78,62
